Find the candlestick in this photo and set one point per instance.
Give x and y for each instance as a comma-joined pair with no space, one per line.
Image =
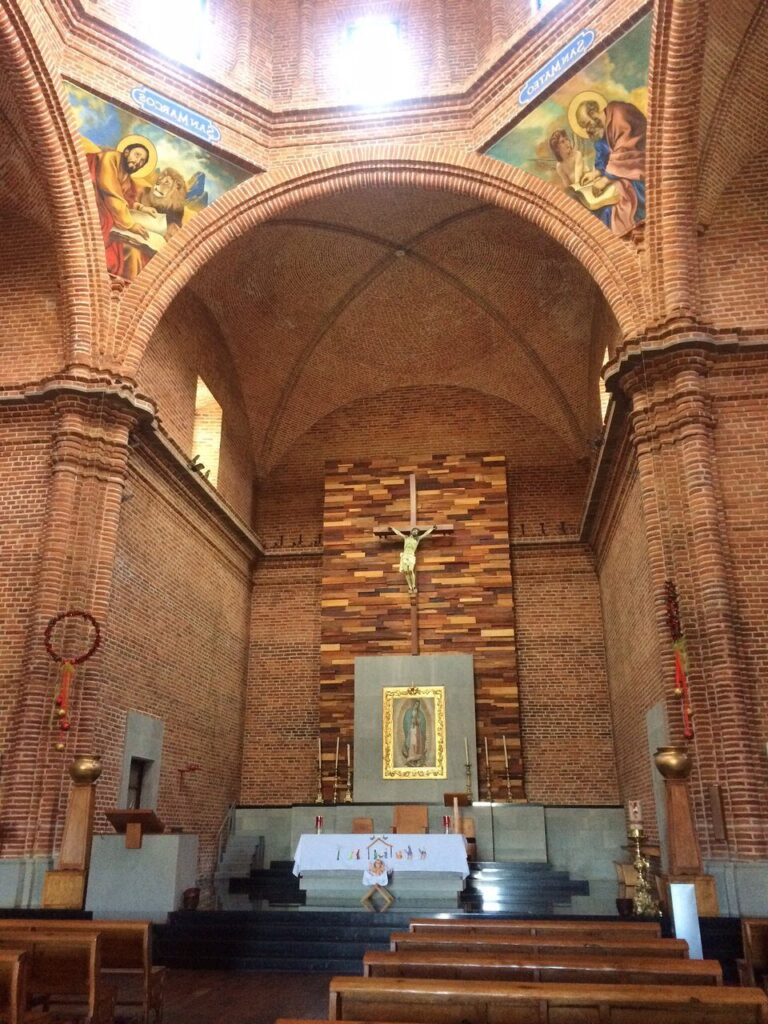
468,773
644,903
488,786
506,755
466,751
336,773
319,795
485,740
348,794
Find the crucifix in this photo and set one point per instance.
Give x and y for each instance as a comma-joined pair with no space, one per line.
411,536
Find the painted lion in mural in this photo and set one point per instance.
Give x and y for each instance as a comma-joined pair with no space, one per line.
168,195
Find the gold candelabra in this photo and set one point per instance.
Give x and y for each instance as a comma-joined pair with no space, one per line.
319,795
509,784
488,786
644,903
348,793
335,785
468,773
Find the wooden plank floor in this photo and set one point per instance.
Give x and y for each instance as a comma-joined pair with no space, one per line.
243,997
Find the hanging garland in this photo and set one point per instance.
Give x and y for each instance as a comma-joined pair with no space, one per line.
681,657
68,663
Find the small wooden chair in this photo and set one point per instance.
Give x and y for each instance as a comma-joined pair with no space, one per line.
362,826
410,819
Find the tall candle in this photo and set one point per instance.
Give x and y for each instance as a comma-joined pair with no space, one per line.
319,755
466,751
336,763
349,762
635,812
506,756
486,750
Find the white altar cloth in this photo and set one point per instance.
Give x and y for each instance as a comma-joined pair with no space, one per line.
399,853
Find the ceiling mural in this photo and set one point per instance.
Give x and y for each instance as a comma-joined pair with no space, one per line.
588,137
148,182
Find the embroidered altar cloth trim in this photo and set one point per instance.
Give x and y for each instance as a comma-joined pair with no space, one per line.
399,853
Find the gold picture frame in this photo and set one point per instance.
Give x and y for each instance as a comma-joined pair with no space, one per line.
413,727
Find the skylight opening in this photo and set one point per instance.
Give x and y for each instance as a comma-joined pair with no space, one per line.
373,67
605,397
206,435
177,28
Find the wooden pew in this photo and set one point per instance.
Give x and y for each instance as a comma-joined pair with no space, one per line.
126,957
501,1002
538,945
753,969
537,927
14,965
576,969
65,968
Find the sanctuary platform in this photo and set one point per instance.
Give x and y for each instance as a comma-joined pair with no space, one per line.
527,856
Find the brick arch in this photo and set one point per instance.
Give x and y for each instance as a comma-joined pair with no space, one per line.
78,255
610,262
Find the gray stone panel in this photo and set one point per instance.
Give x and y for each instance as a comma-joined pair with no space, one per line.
453,671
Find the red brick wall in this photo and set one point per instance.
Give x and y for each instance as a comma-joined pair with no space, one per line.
567,731
741,437
176,648
25,453
33,339
734,255
188,344
281,711
632,643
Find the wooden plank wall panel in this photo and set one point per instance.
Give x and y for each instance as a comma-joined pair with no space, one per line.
464,580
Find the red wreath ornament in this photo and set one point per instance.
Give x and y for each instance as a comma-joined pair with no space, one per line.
68,663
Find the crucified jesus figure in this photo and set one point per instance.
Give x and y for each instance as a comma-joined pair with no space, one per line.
411,541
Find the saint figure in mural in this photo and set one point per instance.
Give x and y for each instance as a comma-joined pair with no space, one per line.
618,132
414,734
411,541
118,197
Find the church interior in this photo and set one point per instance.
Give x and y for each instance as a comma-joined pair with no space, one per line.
383,412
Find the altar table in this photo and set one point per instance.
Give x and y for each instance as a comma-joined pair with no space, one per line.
428,871
399,852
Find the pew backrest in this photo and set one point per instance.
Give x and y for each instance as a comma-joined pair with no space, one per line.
582,969
14,964
61,964
529,926
754,935
484,1002
437,939
125,945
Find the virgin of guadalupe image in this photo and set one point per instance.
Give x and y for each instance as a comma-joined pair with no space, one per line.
415,735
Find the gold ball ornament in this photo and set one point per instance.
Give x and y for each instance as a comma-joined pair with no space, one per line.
59,747
678,692
61,713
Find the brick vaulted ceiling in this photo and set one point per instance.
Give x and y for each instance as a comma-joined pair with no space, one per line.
355,294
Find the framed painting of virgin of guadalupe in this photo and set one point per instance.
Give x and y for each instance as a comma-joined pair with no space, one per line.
413,724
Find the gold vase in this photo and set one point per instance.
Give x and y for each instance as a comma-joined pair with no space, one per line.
673,762
85,768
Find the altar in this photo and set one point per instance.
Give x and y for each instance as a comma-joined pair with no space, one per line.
426,871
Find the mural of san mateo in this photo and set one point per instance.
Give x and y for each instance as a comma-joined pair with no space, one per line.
588,137
147,181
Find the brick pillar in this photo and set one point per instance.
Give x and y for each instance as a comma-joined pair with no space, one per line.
88,467
673,432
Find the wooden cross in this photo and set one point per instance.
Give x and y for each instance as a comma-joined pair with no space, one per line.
389,533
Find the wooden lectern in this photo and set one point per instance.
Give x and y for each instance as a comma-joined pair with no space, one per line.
135,821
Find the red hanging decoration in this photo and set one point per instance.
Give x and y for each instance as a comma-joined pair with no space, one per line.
681,657
68,664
